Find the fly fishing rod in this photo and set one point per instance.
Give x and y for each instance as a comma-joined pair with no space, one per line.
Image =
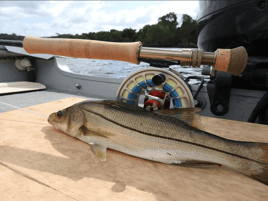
227,60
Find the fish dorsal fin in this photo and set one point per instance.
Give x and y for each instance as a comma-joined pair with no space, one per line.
187,115
177,111
99,151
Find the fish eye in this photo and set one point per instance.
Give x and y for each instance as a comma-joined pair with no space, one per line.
59,114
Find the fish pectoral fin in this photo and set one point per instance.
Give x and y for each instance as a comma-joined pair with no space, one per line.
187,115
88,132
196,163
99,151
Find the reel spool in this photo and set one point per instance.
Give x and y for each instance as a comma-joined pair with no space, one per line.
155,89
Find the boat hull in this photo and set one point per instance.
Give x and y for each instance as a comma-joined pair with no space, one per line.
229,24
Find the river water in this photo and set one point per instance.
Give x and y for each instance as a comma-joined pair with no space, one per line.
118,69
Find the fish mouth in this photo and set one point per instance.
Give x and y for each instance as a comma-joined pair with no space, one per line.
50,121
51,118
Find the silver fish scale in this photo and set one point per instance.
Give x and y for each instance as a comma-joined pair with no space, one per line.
165,126
135,118
145,146
155,148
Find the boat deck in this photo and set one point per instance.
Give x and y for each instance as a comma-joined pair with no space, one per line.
38,162
27,99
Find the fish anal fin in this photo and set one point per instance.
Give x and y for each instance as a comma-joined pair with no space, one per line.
187,115
196,163
99,151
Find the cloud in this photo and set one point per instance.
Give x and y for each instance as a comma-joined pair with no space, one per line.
45,18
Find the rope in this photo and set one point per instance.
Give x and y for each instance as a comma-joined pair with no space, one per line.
24,109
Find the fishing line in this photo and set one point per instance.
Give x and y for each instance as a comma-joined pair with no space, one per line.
24,109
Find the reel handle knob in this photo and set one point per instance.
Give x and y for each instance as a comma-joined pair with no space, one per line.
158,79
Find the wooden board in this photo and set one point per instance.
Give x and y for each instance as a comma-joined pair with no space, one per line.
38,162
15,87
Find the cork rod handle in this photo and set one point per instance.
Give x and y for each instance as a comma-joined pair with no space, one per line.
80,48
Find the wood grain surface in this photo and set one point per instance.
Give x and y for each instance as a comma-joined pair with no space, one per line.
38,162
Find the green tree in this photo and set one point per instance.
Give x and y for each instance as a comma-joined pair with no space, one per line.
170,20
91,35
85,36
115,36
129,35
11,36
103,36
188,30
157,35
141,35
165,33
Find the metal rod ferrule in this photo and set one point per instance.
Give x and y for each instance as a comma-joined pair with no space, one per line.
191,57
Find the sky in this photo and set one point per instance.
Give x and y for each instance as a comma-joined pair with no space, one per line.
47,18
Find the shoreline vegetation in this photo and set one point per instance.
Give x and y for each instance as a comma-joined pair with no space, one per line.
166,33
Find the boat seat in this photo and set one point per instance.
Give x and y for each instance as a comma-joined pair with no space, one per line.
15,87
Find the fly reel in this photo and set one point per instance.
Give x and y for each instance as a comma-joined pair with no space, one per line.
155,89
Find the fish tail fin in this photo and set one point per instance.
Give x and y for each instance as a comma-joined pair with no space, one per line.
256,166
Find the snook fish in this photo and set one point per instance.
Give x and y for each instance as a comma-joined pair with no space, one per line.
173,136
